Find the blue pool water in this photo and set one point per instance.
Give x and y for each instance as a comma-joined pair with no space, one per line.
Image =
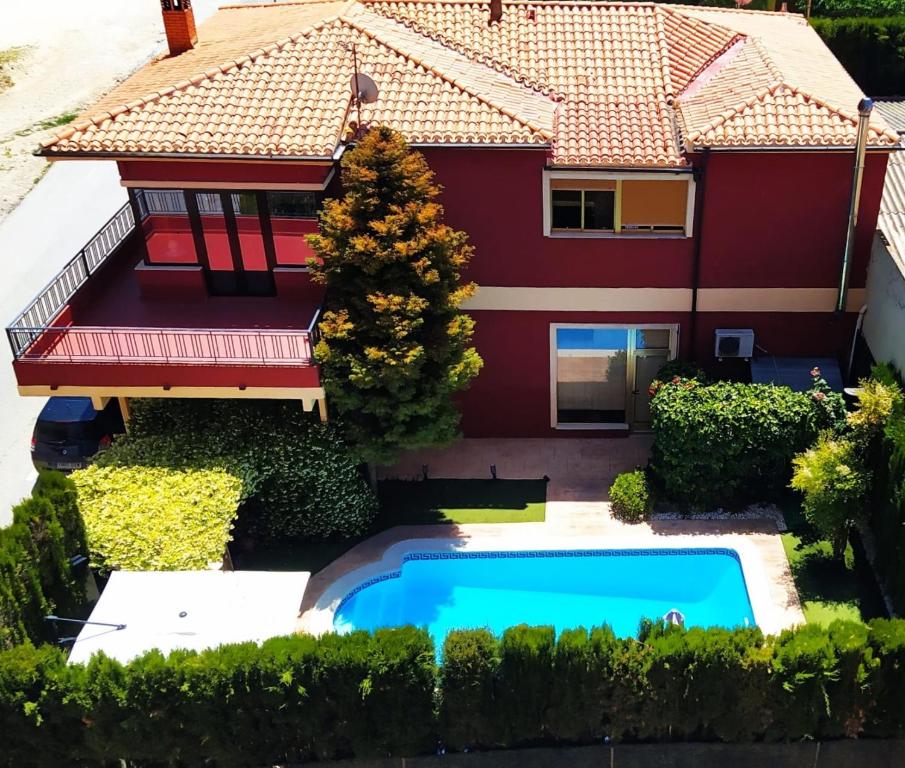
463,590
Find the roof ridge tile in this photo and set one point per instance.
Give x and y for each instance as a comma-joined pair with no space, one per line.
456,81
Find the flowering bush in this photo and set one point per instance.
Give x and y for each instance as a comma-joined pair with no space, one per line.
830,406
834,483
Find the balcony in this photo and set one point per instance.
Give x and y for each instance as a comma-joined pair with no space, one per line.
109,325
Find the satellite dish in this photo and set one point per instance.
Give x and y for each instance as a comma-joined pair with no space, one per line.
364,89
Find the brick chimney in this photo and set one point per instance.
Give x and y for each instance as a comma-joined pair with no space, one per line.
179,23
496,11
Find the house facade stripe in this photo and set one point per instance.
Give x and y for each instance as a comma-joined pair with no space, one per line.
533,299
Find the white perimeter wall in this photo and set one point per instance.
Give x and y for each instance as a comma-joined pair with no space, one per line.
884,321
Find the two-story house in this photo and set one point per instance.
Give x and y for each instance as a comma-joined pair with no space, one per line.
632,176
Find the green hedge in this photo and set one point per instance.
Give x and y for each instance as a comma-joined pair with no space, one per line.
299,698
887,510
871,49
36,577
725,442
298,478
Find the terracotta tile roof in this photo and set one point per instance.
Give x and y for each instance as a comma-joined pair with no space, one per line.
607,62
811,101
615,84
692,45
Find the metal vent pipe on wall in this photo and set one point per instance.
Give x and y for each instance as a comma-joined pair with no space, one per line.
865,106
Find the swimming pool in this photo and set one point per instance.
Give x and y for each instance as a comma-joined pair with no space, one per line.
566,588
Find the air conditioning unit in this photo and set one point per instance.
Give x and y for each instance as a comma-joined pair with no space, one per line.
734,342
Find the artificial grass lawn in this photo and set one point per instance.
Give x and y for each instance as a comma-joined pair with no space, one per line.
829,589
412,503
463,501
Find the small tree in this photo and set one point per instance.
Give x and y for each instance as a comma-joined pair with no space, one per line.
834,483
394,345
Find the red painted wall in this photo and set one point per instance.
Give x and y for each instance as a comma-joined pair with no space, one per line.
137,375
496,197
779,219
511,396
219,173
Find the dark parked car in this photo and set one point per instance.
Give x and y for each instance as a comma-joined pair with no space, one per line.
69,431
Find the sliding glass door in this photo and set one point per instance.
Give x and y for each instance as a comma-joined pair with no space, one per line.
601,374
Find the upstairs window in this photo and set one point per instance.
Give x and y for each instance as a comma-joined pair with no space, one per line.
587,206
624,204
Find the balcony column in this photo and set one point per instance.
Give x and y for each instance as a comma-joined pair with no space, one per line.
139,224
124,409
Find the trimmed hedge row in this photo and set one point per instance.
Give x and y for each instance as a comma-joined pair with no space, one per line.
36,577
872,50
729,442
300,698
887,510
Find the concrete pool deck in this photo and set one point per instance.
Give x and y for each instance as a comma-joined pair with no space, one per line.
578,516
771,590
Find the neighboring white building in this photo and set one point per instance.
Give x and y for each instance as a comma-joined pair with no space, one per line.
884,321
193,610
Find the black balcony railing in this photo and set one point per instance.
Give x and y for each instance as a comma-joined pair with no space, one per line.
34,338
38,315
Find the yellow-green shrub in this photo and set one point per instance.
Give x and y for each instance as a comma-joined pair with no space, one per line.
156,518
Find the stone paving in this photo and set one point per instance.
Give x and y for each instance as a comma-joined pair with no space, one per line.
580,471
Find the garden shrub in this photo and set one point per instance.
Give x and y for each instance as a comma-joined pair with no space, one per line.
834,484
36,576
156,518
877,401
726,442
887,679
630,496
297,699
297,477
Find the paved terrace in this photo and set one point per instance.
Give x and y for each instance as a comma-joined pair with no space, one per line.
578,515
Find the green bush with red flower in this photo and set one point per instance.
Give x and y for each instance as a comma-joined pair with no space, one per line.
731,442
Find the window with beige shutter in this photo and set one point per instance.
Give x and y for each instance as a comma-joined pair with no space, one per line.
576,203
653,206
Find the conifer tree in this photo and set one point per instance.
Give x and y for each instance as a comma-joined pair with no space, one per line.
394,345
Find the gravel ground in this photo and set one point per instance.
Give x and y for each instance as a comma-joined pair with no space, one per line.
71,54
752,512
